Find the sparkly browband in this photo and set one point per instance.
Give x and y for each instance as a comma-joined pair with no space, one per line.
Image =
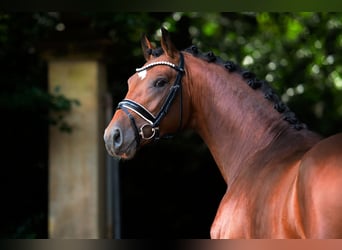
150,65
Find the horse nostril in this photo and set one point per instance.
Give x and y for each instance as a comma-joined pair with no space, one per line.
117,138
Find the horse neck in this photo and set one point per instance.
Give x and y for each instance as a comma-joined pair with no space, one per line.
235,121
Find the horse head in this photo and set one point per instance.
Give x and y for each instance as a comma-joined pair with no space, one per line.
153,106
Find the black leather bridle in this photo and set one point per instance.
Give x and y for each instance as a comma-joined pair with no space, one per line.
153,121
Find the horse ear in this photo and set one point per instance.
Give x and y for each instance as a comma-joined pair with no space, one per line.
147,47
167,45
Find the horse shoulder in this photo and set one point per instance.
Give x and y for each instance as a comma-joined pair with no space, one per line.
231,219
319,189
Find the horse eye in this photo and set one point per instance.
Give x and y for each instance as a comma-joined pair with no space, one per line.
160,83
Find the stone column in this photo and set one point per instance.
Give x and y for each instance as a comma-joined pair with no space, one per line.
77,178
76,159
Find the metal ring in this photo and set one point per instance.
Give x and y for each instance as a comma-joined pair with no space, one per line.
142,132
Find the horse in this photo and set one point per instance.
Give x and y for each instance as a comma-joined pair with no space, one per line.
283,180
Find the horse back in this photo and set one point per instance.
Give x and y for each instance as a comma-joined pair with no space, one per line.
319,189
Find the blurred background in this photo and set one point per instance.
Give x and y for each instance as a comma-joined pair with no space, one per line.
52,122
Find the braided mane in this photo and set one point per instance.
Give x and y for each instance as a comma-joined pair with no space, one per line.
249,78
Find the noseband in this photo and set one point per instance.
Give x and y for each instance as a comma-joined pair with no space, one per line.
153,121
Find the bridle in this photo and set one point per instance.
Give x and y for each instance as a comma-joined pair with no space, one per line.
153,121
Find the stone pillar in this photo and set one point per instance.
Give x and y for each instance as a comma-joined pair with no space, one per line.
77,180
77,159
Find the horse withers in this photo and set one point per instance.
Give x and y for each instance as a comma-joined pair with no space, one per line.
283,180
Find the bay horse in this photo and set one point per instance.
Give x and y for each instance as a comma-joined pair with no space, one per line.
283,180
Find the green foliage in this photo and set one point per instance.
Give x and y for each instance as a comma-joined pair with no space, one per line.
30,227
24,84
298,53
59,105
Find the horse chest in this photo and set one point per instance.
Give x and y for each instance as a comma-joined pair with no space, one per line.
247,215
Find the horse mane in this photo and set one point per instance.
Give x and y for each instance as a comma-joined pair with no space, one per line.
250,79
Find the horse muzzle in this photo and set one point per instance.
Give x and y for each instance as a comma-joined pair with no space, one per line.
119,142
